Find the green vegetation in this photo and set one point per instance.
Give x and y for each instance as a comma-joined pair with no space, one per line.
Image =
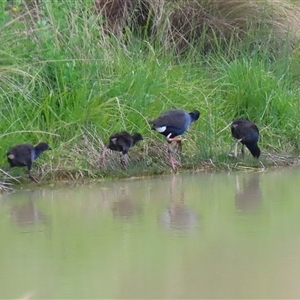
74,72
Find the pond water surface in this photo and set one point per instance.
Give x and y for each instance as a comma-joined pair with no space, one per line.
204,235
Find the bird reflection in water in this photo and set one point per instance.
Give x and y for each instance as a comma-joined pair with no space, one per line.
178,215
124,207
25,213
248,196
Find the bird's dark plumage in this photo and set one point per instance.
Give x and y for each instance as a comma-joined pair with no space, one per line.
23,155
246,132
174,122
123,141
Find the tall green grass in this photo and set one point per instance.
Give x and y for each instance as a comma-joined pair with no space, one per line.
66,81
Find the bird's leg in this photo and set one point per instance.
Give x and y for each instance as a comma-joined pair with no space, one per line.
29,173
235,147
243,151
170,140
177,140
172,161
32,178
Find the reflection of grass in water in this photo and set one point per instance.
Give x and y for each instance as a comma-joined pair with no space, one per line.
85,236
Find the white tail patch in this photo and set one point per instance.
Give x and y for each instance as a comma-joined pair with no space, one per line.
113,140
161,129
10,156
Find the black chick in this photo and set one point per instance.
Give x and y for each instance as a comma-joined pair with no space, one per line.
23,155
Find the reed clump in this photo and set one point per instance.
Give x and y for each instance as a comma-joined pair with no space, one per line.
209,23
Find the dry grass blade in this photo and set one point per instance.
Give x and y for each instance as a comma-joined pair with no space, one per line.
184,23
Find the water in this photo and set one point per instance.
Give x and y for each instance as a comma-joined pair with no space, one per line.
186,236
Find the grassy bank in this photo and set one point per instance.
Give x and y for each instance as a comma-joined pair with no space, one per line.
71,76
